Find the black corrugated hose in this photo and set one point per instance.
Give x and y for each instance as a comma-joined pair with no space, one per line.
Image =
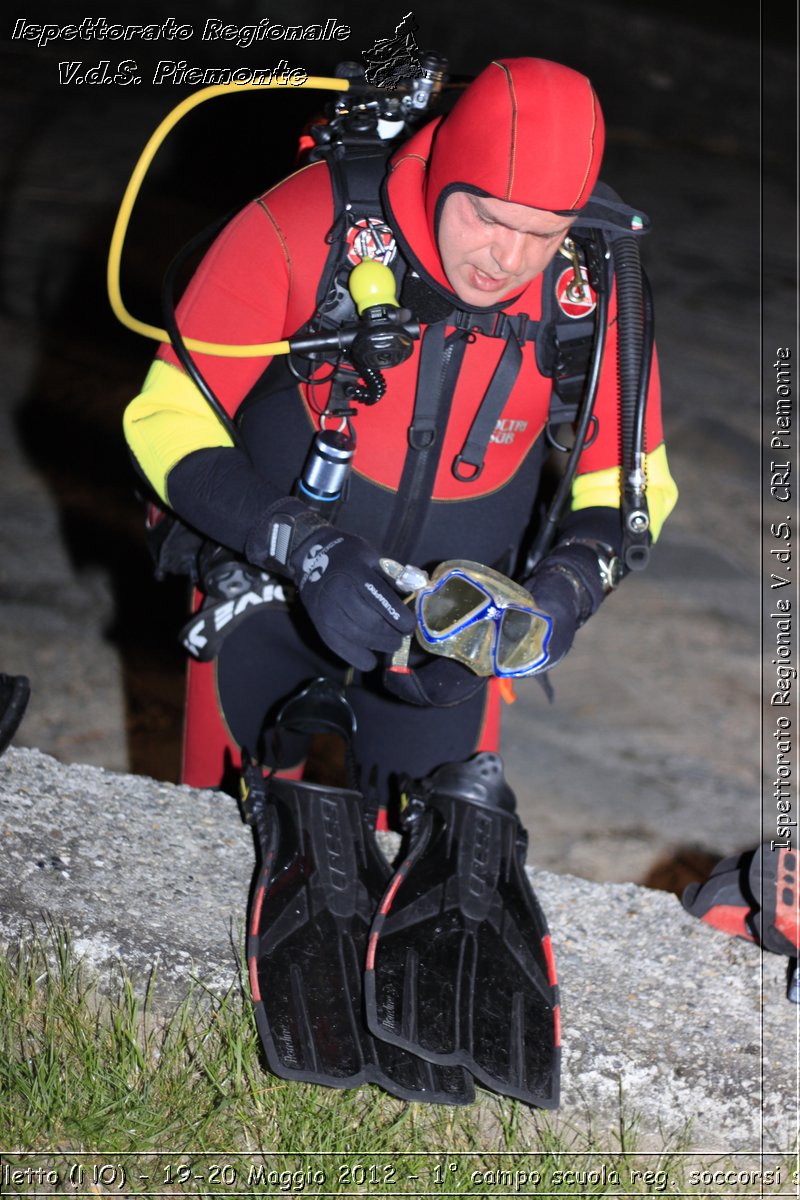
635,350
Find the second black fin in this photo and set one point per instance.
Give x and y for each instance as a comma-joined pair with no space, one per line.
460,967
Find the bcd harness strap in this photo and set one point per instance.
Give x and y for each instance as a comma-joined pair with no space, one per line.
563,344
440,361
468,464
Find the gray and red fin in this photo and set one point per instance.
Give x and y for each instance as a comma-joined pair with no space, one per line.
724,900
753,895
773,880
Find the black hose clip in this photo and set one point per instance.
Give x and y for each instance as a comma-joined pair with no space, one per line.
635,523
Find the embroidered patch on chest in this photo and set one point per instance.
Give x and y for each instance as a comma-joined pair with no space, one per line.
575,301
368,238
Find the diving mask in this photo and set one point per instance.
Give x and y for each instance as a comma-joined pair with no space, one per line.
482,619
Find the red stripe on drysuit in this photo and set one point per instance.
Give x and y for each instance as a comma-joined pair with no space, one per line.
208,748
209,751
557,1026
489,736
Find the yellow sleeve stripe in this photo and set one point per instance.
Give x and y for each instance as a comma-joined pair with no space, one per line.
604,488
168,420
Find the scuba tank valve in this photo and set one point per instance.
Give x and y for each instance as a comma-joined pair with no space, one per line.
429,84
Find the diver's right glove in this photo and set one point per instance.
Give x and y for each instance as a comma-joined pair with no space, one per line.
352,604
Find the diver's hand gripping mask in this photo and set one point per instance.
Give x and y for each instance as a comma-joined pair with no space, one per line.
482,619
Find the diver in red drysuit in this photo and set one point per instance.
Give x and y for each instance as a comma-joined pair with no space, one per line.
479,203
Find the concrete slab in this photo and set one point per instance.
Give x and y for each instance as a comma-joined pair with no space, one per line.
687,1026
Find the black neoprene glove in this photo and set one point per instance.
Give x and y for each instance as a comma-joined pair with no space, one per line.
352,604
569,584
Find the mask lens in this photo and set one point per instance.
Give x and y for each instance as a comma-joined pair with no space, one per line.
451,605
514,649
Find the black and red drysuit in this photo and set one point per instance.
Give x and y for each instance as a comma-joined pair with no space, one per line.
525,131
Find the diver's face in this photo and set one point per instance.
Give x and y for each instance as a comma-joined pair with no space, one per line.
493,248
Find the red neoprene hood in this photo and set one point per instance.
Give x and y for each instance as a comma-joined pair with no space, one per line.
525,130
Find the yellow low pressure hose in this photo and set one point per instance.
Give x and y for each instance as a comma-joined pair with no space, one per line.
265,350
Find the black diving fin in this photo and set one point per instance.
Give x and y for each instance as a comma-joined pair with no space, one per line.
320,880
460,967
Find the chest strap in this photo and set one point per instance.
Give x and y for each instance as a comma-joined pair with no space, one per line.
497,325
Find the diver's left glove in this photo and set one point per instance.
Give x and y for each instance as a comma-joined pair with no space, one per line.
353,605
570,584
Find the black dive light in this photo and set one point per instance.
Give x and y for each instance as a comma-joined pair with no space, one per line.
326,470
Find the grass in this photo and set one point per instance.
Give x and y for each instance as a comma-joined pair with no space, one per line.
110,1097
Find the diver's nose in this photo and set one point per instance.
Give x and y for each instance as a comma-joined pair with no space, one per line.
508,250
